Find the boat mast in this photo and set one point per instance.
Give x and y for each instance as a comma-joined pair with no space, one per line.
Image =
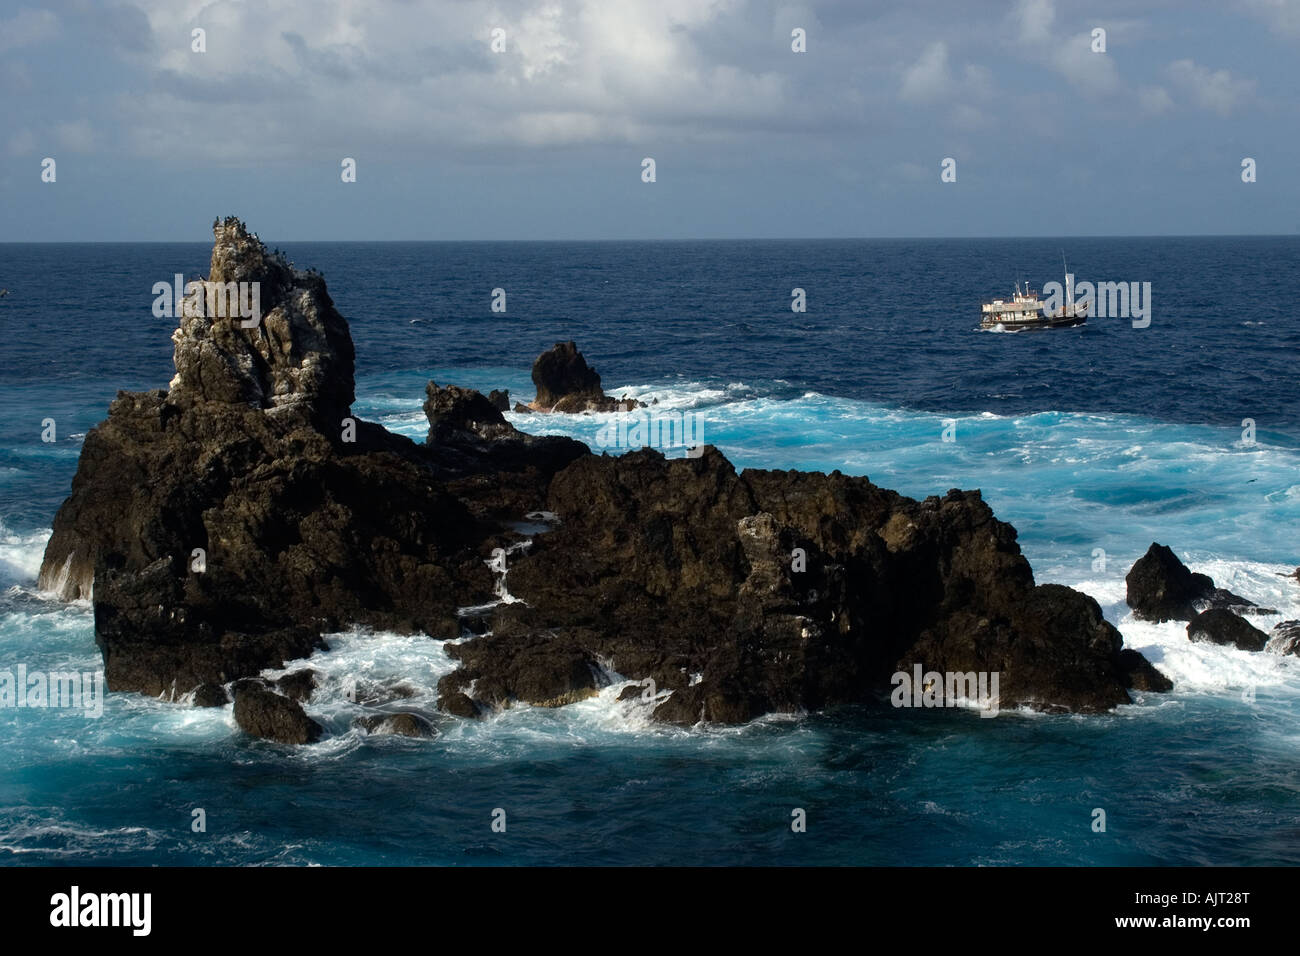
1069,284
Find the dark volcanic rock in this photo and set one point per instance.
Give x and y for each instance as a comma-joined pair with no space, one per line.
500,399
566,383
458,704
402,725
684,572
223,527
308,520
454,409
1221,626
536,668
210,695
1140,674
263,713
298,685
1161,588
1285,638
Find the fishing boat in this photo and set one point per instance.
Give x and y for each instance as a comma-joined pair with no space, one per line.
1025,310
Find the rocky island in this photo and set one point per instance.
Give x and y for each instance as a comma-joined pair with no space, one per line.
222,526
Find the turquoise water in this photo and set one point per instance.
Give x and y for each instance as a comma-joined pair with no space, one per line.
1147,445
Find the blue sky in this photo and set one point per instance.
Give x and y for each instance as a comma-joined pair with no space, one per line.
546,139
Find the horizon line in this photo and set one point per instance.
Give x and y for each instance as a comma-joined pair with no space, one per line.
1189,235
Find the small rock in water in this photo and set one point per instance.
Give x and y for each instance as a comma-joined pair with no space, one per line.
401,725
1220,626
1285,637
266,714
210,695
298,685
1161,588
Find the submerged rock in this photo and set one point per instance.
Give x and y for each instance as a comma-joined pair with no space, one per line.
264,713
1161,588
222,527
401,725
298,685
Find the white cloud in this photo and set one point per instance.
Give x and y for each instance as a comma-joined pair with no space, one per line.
1154,99
573,72
1035,18
1069,55
1214,90
1084,69
928,78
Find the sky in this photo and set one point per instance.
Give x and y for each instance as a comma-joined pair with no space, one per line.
546,136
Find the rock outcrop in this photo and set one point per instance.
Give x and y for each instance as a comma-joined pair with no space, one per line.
1161,588
566,383
222,527
778,591
453,410
1220,626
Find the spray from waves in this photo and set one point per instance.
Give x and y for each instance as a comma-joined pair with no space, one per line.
1203,668
20,555
368,673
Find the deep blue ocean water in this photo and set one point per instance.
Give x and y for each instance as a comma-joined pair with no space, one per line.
1093,442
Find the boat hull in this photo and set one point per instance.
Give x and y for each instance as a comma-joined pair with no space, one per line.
1042,322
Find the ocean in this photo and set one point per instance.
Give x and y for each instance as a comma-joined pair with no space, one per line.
1092,441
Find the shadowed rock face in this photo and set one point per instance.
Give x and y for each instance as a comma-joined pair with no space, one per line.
454,410
888,583
1221,626
1161,588
736,594
566,383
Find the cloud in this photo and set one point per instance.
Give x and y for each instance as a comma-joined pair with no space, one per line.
1217,90
1281,15
78,137
26,28
1071,56
928,78
573,72
1035,18
1084,69
1154,99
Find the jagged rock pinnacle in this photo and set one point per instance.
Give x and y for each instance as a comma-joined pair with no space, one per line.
298,357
